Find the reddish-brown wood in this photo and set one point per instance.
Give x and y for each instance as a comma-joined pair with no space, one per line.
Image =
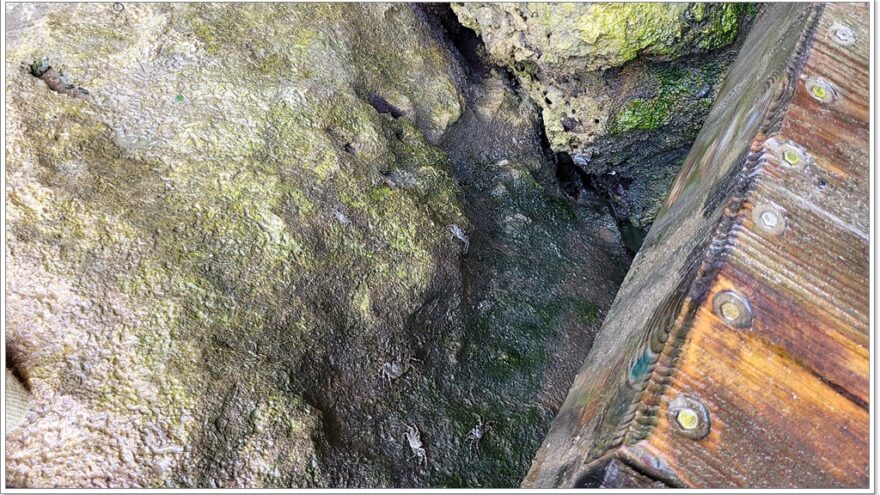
786,394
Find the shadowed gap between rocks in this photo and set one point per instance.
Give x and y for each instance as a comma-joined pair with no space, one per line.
622,153
590,191
518,291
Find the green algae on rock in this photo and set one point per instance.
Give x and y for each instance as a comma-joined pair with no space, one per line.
601,74
214,251
178,234
599,36
674,85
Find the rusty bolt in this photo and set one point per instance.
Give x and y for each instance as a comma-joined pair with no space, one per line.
689,417
733,309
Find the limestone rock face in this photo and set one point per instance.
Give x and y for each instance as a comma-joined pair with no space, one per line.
623,88
217,199
225,220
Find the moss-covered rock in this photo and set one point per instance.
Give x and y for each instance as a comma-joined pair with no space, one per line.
599,36
248,210
671,86
164,225
610,77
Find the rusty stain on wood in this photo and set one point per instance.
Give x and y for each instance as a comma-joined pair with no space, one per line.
786,394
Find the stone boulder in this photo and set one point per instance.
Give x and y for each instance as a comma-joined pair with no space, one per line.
249,245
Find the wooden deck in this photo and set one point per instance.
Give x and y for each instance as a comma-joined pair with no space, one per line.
737,351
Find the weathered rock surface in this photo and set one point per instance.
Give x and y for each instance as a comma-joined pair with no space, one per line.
623,88
224,219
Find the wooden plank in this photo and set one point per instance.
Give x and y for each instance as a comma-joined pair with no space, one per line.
836,133
770,210
774,422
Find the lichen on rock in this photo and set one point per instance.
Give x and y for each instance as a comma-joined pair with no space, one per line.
172,238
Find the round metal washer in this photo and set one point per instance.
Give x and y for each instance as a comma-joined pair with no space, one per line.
689,417
842,35
733,309
821,90
768,219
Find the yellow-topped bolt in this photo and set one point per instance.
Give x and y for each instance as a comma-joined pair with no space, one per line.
819,92
730,311
688,419
791,156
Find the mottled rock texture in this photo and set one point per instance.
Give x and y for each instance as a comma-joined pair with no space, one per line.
222,220
623,88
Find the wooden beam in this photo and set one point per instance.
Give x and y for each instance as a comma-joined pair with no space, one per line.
736,352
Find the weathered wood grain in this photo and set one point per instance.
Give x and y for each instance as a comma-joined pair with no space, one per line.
786,395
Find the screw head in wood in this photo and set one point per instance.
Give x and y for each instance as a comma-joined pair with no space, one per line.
821,90
768,219
689,417
791,157
733,309
842,34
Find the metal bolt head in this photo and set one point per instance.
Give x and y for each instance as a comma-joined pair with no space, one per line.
790,154
842,34
791,157
821,90
768,219
689,417
733,309
730,311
